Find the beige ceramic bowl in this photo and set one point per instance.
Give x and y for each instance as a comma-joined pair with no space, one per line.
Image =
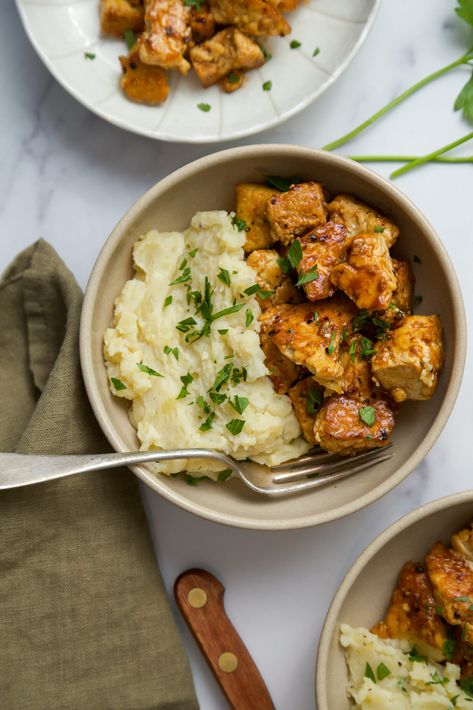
364,594
208,184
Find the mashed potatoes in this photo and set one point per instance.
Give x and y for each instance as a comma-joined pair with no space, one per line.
194,379
387,675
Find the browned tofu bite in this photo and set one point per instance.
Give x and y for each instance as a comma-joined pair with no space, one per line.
143,83
254,17
282,371
402,299
358,218
120,16
452,582
367,276
356,351
167,34
407,364
411,614
322,250
202,24
227,51
296,211
312,338
347,425
306,397
251,203
270,277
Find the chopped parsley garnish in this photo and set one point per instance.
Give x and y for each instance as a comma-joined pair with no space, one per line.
185,325
224,475
186,381
89,55
417,259
316,51
229,357
202,404
256,289
382,671
379,230
462,599
222,377
238,375
415,656
235,426
267,86
193,253
344,334
283,183
240,224
449,648
185,276
368,415
217,397
193,480
233,78
437,679
467,686
294,253
148,370
118,384
367,349
316,316
369,673
266,53
239,404
167,301
223,331
204,107
332,346
352,350
308,276
168,350
194,3
205,426
295,44
313,401
417,300
224,276
130,38
249,318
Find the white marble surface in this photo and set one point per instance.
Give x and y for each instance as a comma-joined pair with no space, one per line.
67,176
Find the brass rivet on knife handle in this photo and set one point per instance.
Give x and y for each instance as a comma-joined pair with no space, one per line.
219,641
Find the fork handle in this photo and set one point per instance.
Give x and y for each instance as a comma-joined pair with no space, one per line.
18,470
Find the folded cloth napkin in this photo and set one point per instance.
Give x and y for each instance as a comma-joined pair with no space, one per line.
84,620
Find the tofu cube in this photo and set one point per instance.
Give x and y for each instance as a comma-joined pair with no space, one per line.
118,16
251,203
358,218
297,211
323,248
270,276
306,397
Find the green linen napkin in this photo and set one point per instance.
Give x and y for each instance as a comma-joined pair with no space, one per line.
84,620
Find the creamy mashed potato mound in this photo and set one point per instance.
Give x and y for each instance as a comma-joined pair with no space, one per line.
167,411
401,682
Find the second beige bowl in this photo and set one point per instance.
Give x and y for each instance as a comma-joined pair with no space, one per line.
207,184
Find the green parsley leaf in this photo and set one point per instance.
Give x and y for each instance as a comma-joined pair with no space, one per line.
308,276
256,289
417,259
202,404
233,77
224,475
130,38
240,224
204,107
235,426
167,301
332,346
462,599
186,381
437,679
224,276
205,426
352,350
295,44
283,183
465,10
186,276
223,331
382,671
148,370
239,404
216,397
316,51
238,375
193,480
267,86
454,701
464,100
449,648
415,656
285,265
367,349
294,254
379,230
266,53
314,399
249,318
222,377
316,316
89,55
369,673
467,686
417,300
228,311
193,253
185,325
368,415
118,384
194,3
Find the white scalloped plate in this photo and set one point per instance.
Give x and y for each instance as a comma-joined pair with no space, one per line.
61,31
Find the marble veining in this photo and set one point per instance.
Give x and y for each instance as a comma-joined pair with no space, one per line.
68,176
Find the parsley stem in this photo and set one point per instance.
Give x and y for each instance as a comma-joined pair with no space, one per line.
407,159
464,59
430,156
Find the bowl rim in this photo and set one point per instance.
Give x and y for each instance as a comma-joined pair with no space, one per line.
127,125
321,157
328,628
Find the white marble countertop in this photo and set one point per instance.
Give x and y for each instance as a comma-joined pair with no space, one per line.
68,176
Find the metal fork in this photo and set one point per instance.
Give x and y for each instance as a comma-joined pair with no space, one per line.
312,471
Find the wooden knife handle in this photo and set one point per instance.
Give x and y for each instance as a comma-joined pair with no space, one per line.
199,596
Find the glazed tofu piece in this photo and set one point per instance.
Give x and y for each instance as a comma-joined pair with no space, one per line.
251,203
367,276
356,380
462,542
407,364
402,299
202,25
322,248
358,218
411,614
306,397
167,34
254,17
282,371
312,339
270,277
118,16
284,5
296,211
452,582
229,50
341,427
143,83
